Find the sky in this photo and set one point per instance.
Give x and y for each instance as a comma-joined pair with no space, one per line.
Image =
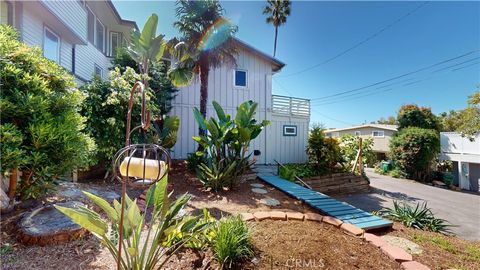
358,61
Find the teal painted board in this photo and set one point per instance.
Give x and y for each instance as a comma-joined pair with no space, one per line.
374,224
350,216
362,220
335,213
338,207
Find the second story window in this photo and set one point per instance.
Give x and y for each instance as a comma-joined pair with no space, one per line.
51,45
100,35
96,30
91,26
115,42
240,78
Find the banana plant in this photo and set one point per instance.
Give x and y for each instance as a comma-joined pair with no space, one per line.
226,144
143,248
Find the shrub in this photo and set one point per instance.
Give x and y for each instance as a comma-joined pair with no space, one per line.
323,153
418,217
39,101
225,147
286,173
349,149
396,173
413,149
233,241
148,252
194,160
105,108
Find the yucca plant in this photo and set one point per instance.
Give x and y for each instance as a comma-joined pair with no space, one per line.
418,217
233,241
142,248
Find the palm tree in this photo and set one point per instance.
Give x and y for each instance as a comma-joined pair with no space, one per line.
278,11
206,42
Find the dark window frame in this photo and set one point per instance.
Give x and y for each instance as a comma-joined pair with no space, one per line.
292,134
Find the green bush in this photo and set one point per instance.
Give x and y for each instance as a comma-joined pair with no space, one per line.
194,160
349,149
40,100
286,173
233,241
323,153
418,217
413,149
105,108
225,147
396,173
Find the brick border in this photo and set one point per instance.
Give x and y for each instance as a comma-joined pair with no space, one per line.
397,254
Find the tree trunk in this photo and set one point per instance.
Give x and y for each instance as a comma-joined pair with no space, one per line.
12,186
275,42
204,70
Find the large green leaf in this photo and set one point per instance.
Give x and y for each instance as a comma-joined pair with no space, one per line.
220,113
200,120
85,220
134,217
104,205
149,31
160,194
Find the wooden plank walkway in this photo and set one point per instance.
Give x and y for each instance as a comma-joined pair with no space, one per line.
327,205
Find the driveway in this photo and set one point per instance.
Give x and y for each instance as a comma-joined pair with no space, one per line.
458,208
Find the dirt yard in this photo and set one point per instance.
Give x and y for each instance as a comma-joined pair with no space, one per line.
278,244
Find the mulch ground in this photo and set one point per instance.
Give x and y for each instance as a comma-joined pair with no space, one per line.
310,244
441,251
313,245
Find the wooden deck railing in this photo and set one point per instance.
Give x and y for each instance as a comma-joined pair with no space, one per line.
290,106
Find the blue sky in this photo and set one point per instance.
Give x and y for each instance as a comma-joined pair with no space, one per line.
317,31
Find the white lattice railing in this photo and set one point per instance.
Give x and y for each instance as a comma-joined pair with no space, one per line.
290,106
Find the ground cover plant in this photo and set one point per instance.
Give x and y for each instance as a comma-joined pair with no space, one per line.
233,241
139,252
41,125
418,217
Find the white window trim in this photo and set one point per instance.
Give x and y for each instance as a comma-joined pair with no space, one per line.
45,28
380,131
119,42
96,19
285,133
246,78
100,68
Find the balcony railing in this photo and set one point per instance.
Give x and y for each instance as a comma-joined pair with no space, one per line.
290,106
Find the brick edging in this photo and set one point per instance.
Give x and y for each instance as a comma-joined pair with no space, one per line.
395,253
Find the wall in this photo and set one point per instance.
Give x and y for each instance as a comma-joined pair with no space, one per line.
222,90
474,176
287,149
380,144
71,13
86,56
32,35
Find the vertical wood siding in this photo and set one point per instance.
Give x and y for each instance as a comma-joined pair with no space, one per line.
221,89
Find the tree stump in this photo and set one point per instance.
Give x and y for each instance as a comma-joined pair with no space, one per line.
46,225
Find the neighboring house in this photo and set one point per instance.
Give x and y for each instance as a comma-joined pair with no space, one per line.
81,36
465,155
284,140
380,133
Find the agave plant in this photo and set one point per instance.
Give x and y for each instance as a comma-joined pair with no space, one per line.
143,248
418,217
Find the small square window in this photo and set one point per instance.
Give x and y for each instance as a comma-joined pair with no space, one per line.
289,130
357,133
240,78
378,134
98,71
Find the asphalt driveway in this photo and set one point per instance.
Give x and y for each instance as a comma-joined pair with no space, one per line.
458,208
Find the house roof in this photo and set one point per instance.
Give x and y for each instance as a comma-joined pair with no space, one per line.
277,64
117,15
379,126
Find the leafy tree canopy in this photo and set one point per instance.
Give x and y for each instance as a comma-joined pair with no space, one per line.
412,115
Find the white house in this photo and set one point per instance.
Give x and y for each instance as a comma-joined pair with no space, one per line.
82,37
79,35
465,155
284,140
